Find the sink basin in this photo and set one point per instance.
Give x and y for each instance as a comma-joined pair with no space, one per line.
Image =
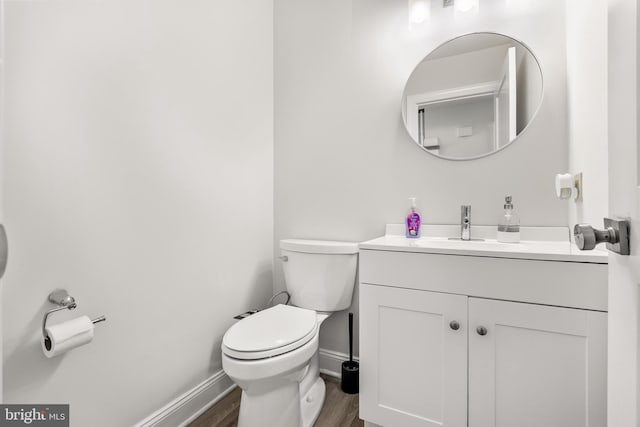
448,243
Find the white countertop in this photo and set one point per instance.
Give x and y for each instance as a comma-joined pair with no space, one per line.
556,245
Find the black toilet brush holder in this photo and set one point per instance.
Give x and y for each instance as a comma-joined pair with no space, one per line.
350,383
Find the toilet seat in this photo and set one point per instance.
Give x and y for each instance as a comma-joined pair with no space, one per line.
271,332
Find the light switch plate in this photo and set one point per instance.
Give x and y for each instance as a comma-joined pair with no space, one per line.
465,131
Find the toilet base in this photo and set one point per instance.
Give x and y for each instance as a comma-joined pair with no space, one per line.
274,402
311,403
284,407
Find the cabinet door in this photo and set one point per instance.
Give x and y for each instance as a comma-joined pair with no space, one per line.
413,364
536,365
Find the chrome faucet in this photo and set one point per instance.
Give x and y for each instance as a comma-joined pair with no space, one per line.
465,222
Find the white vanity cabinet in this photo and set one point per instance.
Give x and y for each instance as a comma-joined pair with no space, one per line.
413,366
453,341
536,366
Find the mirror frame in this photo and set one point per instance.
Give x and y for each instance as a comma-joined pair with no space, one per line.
403,111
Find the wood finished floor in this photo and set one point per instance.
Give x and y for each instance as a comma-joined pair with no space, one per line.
339,410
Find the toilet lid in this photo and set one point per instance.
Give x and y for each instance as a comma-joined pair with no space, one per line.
270,332
319,246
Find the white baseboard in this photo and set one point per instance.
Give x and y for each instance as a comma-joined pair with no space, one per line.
331,362
190,405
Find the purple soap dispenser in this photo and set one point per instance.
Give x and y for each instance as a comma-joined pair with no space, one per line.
413,221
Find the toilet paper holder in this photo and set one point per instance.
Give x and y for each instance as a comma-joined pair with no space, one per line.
64,301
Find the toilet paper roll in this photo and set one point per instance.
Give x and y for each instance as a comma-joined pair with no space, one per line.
564,185
67,335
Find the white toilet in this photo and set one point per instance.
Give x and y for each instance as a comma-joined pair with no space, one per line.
273,354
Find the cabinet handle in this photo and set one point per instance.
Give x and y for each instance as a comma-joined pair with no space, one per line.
481,330
454,325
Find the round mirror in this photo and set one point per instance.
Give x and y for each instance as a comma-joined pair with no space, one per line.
472,96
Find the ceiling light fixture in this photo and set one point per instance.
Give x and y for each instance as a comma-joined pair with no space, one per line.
419,11
464,6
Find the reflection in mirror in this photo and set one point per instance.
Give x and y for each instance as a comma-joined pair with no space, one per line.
472,96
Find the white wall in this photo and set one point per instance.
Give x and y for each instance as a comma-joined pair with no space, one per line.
587,112
344,164
138,165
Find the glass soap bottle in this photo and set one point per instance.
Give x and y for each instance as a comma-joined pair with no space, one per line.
509,226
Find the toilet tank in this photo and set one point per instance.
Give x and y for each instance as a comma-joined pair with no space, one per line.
319,275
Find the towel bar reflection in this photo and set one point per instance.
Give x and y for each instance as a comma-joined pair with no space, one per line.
64,301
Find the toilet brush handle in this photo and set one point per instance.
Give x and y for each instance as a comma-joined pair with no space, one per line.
350,337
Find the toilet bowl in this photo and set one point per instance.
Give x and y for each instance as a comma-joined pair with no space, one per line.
277,371
273,355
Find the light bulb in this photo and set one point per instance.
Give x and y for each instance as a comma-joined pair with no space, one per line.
465,5
419,11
